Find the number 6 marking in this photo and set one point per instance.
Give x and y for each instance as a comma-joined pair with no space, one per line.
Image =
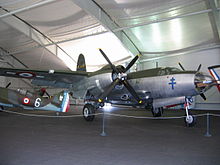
37,102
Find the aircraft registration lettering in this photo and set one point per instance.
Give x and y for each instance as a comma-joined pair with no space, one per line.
37,102
172,82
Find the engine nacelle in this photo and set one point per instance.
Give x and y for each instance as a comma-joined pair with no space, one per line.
100,82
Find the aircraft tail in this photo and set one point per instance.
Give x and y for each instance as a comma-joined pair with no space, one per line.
81,64
215,75
62,101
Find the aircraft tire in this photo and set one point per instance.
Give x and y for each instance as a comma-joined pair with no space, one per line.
157,112
191,121
88,112
1,108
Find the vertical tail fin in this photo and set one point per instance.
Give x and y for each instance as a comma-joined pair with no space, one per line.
81,64
215,75
65,106
61,101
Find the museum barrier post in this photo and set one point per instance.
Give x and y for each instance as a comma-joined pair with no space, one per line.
103,124
207,134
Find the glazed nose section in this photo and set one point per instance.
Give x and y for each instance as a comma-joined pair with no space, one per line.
203,82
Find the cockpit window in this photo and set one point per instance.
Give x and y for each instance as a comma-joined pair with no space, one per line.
167,71
175,70
162,72
25,92
22,91
170,70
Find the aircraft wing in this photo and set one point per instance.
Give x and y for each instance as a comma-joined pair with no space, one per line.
62,79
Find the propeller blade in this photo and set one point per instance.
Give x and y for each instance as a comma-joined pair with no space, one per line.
203,96
8,85
131,63
199,67
181,66
108,90
110,63
132,91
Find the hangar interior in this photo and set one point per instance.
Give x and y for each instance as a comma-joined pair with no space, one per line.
51,34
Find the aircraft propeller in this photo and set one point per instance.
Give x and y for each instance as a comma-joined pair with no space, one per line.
203,96
181,66
198,69
8,85
121,78
131,63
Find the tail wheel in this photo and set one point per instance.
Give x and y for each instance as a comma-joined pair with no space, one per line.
157,112
89,112
190,121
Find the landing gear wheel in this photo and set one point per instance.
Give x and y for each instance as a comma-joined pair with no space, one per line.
89,112
157,112
190,121
1,108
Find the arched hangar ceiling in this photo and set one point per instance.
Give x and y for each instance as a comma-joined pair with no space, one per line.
50,34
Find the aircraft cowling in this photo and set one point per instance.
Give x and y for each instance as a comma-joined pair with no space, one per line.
101,81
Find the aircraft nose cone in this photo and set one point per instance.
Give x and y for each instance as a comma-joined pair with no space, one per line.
203,82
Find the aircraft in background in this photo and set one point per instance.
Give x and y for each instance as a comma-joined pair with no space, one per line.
34,101
153,88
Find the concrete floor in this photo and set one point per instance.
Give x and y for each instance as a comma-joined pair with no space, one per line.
44,141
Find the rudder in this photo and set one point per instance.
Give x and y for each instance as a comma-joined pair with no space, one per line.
81,64
215,75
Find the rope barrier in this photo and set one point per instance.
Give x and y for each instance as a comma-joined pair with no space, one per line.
144,117
212,114
152,118
110,114
207,134
49,116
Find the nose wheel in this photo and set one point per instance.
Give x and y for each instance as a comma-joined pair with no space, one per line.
189,120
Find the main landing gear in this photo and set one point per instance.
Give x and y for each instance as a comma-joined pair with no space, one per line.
89,112
189,120
1,108
157,112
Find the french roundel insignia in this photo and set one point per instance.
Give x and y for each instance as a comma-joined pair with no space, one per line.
26,74
26,100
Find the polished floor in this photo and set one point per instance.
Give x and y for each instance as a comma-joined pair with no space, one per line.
26,140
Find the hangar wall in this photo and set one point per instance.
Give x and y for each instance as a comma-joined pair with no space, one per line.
191,61
8,61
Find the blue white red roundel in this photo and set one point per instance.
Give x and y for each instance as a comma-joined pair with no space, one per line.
26,74
26,100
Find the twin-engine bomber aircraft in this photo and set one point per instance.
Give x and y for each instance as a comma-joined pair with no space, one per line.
155,88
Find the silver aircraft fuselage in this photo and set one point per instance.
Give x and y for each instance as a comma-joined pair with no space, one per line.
169,85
